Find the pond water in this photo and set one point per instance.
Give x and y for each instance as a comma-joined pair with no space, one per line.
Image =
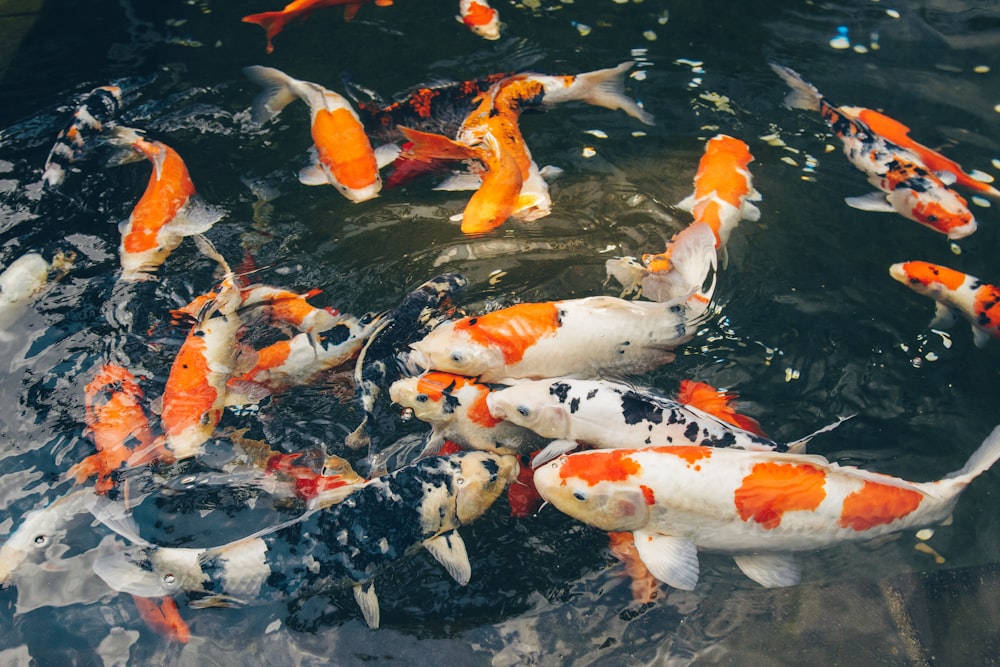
807,325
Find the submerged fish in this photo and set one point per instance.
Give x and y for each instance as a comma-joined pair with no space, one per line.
419,506
576,337
762,507
93,117
905,184
480,18
955,293
274,22
25,278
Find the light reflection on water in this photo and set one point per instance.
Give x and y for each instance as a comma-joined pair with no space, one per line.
808,326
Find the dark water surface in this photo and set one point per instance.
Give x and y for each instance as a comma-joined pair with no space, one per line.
809,325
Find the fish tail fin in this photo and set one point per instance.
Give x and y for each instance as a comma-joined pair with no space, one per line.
427,146
277,94
980,461
606,88
803,94
271,22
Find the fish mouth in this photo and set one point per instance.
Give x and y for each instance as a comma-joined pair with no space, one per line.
420,359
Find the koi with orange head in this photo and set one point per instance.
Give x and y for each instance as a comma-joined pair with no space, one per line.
761,507
955,293
480,18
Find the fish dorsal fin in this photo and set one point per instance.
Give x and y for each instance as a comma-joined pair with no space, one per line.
449,550
873,201
770,570
717,403
884,126
197,217
364,595
947,177
552,450
672,560
386,154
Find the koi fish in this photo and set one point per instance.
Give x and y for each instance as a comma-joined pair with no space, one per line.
577,337
762,507
283,307
116,421
163,616
168,210
611,415
342,154
905,184
480,18
385,355
899,134
25,278
274,22
419,505
456,407
92,117
956,293
679,272
300,360
194,396
645,587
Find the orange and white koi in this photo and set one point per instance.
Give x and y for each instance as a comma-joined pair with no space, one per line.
906,185
274,22
955,293
899,134
679,272
116,421
342,153
168,210
456,407
608,415
762,507
300,360
92,117
480,18
576,338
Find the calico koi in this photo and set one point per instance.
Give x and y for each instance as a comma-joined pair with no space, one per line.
93,116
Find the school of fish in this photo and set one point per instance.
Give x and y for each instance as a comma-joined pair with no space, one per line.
529,398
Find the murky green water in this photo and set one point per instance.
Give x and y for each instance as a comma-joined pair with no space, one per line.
809,325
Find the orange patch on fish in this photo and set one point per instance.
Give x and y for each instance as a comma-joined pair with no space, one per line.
479,413
188,394
478,15
927,273
772,489
647,494
512,330
593,468
936,216
877,504
162,615
987,307
690,453
344,148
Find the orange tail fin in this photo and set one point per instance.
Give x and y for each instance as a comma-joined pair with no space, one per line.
427,146
161,615
645,587
709,399
272,23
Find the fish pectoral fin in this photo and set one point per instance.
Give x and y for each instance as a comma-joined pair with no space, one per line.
198,217
750,212
552,450
433,446
313,175
449,550
944,317
873,201
216,601
364,595
460,182
979,337
770,570
672,560
386,154
686,204
947,177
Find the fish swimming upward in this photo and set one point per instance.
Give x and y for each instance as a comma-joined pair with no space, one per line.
608,415
761,507
168,210
955,293
92,118
907,186
577,337
274,22
383,520
480,18
456,407
342,153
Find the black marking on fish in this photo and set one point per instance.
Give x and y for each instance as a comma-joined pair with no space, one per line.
560,390
591,394
335,336
637,409
691,432
574,404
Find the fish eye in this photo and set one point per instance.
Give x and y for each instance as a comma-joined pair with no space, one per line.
523,411
169,579
932,218
41,540
457,357
422,398
579,495
460,481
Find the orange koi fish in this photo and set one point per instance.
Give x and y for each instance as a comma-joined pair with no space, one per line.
342,153
762,507
956,293
905,184
645,587
455,406
480,18
575,337
899,134
168,210
274,22
117,422
162,615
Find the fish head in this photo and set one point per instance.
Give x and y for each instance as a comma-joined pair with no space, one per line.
939,208
928,279
40,536
432,396
534,406
446,348
598,495
481,19
479,480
